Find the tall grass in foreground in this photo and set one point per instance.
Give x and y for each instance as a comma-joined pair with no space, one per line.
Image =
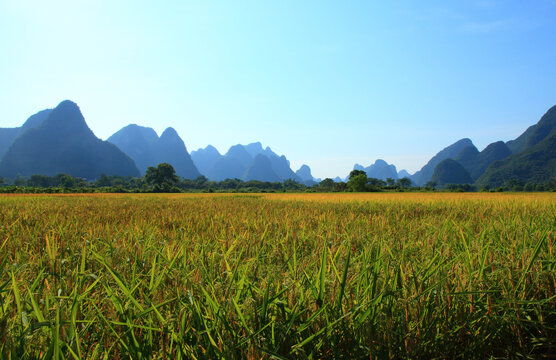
278,276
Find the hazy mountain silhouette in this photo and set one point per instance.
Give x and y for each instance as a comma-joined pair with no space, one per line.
63,143
379,170
8,135
304,173
230,166
280,164
204,159
238,159
136,142
257,148
226,167
58,140
403,174
144,146
422,176
450,171
260,169
239,153
281,167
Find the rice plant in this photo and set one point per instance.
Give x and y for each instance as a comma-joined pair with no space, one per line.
277,276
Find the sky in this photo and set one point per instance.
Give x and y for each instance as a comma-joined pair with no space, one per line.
326,83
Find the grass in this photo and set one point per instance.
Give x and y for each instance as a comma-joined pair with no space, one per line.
277,276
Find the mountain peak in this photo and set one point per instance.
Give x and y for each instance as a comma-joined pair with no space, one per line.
256,144
304,173
68,104
144,146
379,170
254,148
422,176
170,132
209,149
464,141
63,143
239,153
68,119
127,134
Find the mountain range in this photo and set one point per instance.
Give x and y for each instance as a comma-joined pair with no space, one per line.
58,140
247,162
144,146
379,170
531,157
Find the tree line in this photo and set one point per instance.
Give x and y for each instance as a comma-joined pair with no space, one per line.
163,178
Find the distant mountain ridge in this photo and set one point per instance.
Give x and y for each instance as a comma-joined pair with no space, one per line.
59,141
260,168
533,158
424,175
304,173
379,170
8,135
144,146
244,162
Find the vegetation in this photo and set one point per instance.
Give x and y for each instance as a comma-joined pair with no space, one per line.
533,159
534,165
450,172
277,276
476,162
424,175
163,179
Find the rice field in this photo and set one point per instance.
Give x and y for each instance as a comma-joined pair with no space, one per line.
278,276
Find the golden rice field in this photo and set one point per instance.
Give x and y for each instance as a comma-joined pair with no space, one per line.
278,276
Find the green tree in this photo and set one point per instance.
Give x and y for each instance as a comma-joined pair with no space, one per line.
66,181
357,182
431,185
376,183
162,177
19,180
327,184
550,185
355,173
340,186
39,181
404,182
201,182
103,180
291,184
514,184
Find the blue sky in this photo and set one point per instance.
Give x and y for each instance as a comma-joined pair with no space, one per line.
326,83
